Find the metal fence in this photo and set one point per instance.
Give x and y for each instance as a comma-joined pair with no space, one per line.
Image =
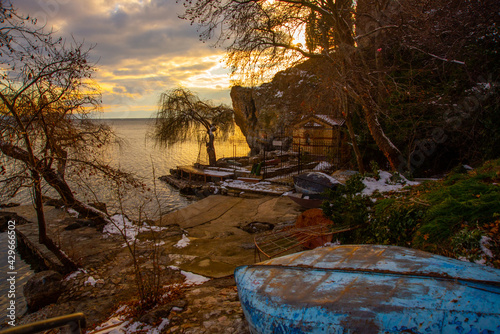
281,167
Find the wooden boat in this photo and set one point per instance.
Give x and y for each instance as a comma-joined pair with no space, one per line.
314,183
369,289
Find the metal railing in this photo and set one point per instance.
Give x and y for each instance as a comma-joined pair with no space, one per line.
75,321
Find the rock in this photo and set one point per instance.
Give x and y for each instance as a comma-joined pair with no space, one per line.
312,217
42,289
9,205
163,311
292,93
5,217
57,203
257,227
74,224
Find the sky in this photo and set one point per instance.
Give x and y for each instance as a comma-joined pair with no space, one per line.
141,48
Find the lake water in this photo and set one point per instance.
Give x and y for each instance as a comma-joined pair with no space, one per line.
137,155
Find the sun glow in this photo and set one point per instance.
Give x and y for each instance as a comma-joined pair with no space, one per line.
299,37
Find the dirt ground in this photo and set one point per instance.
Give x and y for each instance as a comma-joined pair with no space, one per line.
217,245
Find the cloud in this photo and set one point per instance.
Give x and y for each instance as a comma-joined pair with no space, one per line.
141,48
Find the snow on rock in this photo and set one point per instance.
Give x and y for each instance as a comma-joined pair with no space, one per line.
184,242
385,184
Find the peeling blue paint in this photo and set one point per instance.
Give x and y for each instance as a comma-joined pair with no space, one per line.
385,289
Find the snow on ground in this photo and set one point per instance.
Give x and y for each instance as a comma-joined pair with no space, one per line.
194,279
73,212
121,323
385,184
191,278
92,281
184,242
262,186
121,225
323,165
75,274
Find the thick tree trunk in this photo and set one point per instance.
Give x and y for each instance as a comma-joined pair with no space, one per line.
390,151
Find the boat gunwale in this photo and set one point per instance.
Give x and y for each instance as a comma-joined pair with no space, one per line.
374,272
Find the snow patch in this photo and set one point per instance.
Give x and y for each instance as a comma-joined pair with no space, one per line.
90,280
74,274
194,279
191,278
73,212
485,242
184,242
385,184
120,225
121,323
323,165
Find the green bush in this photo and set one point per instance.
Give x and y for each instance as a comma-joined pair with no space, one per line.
395,222
345,206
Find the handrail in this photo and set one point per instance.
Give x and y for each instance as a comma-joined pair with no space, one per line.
76,321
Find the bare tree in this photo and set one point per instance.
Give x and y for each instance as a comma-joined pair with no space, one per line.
181,114
46,95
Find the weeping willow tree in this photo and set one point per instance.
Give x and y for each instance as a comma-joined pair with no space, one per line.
181,115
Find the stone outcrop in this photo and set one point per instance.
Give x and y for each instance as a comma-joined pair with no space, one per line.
42,289
268,112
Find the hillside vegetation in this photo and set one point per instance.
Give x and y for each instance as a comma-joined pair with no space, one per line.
458,216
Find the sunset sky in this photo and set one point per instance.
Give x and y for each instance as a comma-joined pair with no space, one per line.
142,49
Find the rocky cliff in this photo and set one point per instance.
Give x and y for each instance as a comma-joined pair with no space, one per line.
269,111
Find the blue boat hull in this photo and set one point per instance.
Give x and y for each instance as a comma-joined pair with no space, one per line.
312,292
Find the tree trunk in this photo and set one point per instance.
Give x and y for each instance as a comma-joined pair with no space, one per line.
352,135
54,180
38,201
390,151
212,159
43,238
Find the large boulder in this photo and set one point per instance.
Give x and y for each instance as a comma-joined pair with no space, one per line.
42,289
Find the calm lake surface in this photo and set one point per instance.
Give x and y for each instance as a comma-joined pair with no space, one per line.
137,155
